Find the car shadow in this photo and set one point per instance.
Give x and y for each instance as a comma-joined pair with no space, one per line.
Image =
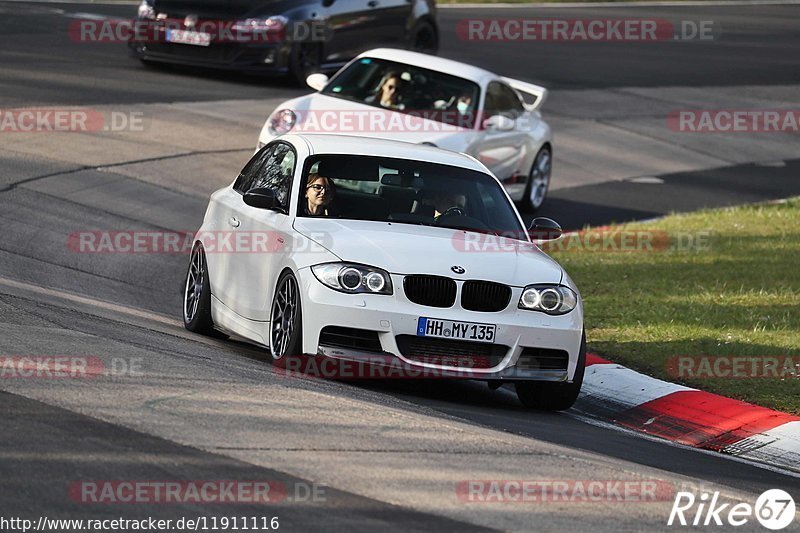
211,74
575,215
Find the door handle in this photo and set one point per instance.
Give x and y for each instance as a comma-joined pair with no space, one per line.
373,3
233,221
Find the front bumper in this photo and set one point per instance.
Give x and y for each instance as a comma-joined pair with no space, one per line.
268,58
395,315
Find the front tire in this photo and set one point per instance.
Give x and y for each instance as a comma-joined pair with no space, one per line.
305,60
285,318
538,180
197,294
554,396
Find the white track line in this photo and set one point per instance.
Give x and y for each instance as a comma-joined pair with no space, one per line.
130,311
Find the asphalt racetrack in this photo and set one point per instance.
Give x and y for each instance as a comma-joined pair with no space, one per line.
380,455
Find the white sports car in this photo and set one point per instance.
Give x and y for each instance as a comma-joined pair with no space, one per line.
418,98
349,248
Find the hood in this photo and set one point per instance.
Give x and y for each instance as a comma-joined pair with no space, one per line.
223,9
411,249
320,113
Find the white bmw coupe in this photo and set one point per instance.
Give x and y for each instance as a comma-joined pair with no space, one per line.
418,98
341,247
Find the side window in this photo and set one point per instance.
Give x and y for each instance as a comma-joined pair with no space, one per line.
245,180
493,205
277,172
502,100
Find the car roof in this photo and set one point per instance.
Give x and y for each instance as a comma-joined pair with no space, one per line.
440,64
326,143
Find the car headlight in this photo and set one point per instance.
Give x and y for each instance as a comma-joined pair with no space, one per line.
281,121
146,11
352,278
276,23
550,299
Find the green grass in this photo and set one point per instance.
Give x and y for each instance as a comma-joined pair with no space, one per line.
740,296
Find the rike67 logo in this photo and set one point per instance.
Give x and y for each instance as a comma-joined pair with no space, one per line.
774,509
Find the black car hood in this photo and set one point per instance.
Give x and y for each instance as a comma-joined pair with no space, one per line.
225,9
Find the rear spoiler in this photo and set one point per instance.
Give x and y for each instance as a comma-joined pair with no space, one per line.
539,93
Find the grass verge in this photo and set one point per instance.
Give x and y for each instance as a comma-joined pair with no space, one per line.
719,283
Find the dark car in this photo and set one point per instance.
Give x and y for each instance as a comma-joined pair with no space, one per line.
295,37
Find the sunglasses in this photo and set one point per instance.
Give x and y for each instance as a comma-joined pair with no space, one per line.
317,187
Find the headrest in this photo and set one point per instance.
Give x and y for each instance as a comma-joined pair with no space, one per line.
403,178
392,180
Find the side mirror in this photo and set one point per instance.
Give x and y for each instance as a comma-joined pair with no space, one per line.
317,81
499,123
544,229
261,198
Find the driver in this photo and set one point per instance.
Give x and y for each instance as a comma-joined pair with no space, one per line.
444,201
320,195
388,93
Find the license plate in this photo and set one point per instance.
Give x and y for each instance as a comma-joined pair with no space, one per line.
455,329
195,38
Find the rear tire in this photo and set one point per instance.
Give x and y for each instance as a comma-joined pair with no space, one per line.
538,180
424,38
197,294
554,396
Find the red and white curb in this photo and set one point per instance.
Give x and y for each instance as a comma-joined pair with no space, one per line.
689,416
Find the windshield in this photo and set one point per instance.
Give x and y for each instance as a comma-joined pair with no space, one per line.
404,191
408,89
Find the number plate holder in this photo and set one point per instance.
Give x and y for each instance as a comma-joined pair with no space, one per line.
195,38
456,330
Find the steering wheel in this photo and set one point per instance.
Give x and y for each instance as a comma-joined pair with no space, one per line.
454,211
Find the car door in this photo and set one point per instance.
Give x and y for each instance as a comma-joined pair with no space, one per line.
225,207
264,236
502,150
350,25
388,26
